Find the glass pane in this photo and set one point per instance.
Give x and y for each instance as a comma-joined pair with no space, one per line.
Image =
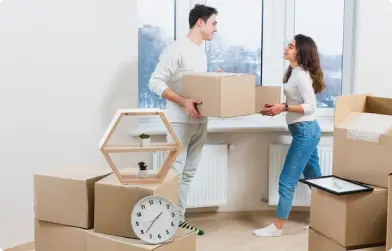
313,18
156,30
236,47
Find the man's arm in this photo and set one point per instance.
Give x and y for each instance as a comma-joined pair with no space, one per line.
167,65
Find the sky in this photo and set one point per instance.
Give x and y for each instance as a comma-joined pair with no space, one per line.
320,19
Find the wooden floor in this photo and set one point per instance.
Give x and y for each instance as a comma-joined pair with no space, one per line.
233,232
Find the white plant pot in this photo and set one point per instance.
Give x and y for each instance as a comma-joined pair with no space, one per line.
145,142
143,173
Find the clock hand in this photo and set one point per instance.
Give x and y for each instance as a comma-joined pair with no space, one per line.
149,221
154,221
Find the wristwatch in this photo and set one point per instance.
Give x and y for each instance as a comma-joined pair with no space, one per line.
286,107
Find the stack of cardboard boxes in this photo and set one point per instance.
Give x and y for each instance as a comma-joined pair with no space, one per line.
363,153
88,209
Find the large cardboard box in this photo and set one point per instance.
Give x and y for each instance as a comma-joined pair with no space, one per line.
114,202
389,217
319,242
183,240
267,95
222,94
56,237
65,195
363,139
351,219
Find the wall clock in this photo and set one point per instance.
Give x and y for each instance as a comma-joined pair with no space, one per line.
154,219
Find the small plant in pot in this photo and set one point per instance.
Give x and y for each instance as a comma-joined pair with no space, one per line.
143,172
145,140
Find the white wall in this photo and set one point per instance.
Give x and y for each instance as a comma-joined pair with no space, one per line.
374,53
87,50
65,67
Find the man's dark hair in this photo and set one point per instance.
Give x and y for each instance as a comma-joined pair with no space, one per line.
200,11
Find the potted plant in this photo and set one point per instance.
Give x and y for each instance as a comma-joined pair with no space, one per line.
145,140
142,170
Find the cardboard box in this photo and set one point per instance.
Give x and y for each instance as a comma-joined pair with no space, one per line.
319,242
267,95
389,217
57,237
352,219
114,202
223,95
66,195
183,240
363,139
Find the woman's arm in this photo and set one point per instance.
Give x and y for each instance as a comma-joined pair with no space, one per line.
305,87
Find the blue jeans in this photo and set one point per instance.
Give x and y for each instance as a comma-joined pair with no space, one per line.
302,157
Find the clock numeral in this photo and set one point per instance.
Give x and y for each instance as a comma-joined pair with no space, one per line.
141,231
137,223
139,214
160,202
143,206
159,236
172,224
167,231
151,202
150,236
167,206
173,214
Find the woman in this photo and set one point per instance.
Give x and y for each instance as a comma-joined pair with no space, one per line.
302,81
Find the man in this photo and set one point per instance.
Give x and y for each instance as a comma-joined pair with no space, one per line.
185,55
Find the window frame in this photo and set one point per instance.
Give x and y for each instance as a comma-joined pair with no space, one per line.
281,17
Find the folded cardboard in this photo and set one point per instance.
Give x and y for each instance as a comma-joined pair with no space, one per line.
65,195
389,218
114,202
56,237
183,240
222,94
267,95
319,242
363,139
352,219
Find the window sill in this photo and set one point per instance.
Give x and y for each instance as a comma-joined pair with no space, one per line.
252,123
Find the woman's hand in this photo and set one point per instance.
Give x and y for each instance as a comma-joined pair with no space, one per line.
273,110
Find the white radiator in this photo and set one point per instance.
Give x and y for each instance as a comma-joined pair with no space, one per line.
209,187
277,156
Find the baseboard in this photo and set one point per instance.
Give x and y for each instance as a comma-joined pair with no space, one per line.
23,247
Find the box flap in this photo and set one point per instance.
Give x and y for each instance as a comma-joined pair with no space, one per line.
347,104
366,126
23,247
361,103
80,173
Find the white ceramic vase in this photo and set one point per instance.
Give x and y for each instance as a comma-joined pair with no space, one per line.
145,142
143,174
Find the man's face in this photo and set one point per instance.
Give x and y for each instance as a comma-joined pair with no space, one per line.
208,28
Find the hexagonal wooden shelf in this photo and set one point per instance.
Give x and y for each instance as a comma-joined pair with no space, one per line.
173,148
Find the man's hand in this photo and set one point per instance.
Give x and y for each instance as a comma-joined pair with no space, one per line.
190,107
188,104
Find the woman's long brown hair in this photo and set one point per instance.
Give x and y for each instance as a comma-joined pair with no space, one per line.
308,59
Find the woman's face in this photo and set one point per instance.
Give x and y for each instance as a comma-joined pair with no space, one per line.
290,51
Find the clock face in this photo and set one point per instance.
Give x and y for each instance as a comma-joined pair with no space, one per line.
155,219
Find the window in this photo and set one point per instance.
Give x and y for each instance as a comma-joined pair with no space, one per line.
236,47
313,18
251,40
156,30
